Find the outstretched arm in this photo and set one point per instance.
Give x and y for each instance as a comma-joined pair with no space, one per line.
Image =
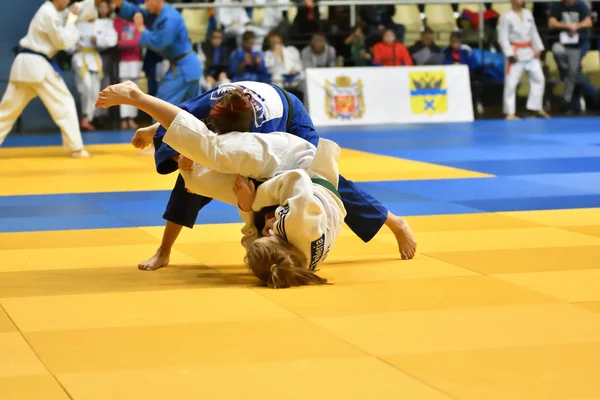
128,93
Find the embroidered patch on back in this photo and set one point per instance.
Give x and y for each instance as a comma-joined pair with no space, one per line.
316,252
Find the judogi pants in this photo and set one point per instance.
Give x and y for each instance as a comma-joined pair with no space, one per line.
88,87
535,75
58,101
129,71
365,215
175,89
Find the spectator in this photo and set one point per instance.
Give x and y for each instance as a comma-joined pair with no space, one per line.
130,65
356,41
87,63
235,21
318,54
247,64
215,58
572,19
457,52
378,19
284,64
425,51
390,52
273,16
308,19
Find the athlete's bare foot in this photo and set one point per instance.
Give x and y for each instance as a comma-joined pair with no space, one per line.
121,93
543,114
143,137
83,153
407,245
511,117
158,260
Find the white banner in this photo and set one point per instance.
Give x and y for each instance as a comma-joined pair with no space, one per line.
389,95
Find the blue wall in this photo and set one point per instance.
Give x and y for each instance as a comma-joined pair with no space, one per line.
14,22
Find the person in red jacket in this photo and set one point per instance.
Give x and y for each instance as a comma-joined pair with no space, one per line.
390,52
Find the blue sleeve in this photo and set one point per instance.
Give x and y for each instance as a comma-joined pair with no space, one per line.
199,107
128,10
234,64
163,36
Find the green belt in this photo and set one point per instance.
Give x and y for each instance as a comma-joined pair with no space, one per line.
327,185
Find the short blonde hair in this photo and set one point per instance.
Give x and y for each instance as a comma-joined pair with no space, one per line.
279,264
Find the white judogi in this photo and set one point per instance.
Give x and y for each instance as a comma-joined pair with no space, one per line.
236,21
279,67
87,62
309,216
31,75
519,37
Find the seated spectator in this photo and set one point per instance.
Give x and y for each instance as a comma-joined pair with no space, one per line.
247,64
274,17
425,51
235,21
356,41
130,65
284,64
457,52
215,58
318,54
390,52
378,19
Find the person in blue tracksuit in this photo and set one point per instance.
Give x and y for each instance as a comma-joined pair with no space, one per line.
164,32
275,111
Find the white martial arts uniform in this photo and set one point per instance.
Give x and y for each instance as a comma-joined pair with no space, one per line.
279,67
519,37
31,75
236,21
309,216
87,62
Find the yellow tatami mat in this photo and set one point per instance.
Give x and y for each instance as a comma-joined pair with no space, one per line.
494,306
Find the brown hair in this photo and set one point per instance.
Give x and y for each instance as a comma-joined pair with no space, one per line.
233,113
279,265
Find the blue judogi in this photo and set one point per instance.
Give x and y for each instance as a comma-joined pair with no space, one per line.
365,215
254,72
167,35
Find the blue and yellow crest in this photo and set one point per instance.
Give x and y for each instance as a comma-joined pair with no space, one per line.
344,99
428,92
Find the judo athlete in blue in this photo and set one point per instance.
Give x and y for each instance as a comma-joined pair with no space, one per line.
275,110
164,32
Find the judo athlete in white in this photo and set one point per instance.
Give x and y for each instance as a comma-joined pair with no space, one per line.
94,36
301,181
522,46
33,73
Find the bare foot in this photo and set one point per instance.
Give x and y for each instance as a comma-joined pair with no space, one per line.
511,117
143,137
155,262
407,245
543,114
83,153
121,93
